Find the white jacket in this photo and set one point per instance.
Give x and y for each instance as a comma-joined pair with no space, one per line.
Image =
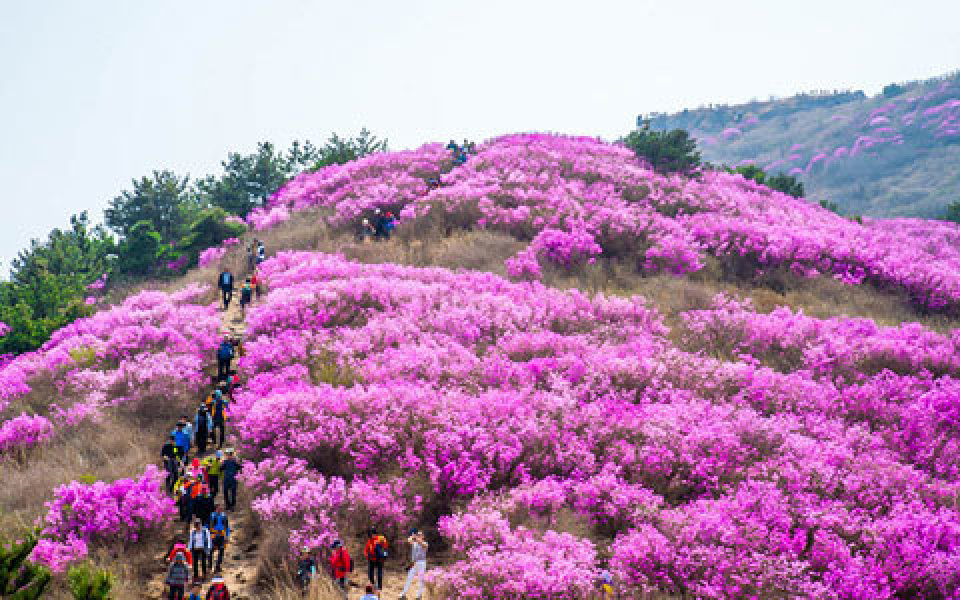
199,538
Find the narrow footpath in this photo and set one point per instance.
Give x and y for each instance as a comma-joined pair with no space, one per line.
241,556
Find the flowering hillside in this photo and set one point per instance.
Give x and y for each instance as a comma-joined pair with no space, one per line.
893,154
577,199
554,434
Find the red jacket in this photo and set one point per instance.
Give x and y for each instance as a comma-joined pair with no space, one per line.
370,549
340,563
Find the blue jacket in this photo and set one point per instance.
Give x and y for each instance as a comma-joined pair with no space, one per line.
230,468
181,439
225,351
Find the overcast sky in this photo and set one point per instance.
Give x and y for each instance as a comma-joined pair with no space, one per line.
96,92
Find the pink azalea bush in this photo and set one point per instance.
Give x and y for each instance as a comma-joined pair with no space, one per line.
113,514
743,454
211,256
152,345
578,199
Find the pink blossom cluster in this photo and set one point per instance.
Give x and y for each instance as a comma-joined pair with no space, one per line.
384,394
577,199
24,431
151,344
211,256
112,514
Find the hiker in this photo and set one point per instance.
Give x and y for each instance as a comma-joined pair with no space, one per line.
181,440
306,569
220,530
453,148
391,224
257,282
219,415
252,255
177,577
179,547
203,506
225,283
200,545
340,564
376,553
367,230
170,453
261,253
379,225
201,430
196,592
472,149
230,469
218,591
213,465
606,585
183,497
368,593
224,356
418,556
191,491
246,295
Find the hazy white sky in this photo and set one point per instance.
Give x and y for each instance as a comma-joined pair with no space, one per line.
96,92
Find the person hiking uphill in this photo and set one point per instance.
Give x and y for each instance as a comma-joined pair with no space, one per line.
224,356
418,556
225,283
376,554
218,591
170,453
261,253
246,295
201,429
218,415
178,575
220,530
340,564
213,465
181,439
200,545
230,469
306,569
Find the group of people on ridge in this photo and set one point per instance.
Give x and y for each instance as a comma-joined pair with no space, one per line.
196,482
379,225
376,551
461,153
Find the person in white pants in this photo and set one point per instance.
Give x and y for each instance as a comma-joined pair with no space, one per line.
418,555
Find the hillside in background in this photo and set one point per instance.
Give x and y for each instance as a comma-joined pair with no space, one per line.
562,363
894,154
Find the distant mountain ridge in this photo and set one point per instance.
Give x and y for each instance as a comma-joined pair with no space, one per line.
893,154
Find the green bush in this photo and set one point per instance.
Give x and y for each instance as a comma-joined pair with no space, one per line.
89,583
666,151
21,579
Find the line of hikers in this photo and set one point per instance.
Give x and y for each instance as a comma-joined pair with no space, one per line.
251,285
196,482
461,153
376,550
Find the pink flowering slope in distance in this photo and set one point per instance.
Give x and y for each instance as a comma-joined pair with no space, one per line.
579,199
549,434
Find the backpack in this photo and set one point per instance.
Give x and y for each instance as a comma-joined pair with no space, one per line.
246,293
219,525
226,279
217,593
225,351
382,553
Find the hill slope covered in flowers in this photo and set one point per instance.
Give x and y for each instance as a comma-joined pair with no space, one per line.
541,435
893,154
